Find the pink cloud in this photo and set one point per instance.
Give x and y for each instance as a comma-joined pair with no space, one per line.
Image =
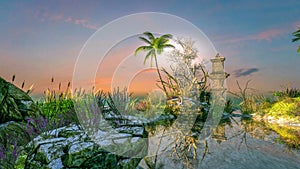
266,35
56,17
43,16
296,24
84,23
80,21
68,20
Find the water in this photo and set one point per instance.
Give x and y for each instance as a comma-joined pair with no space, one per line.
235,145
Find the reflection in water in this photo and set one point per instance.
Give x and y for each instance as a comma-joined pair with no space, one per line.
235,143
219,134
202,136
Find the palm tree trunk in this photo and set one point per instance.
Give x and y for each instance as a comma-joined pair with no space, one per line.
160,78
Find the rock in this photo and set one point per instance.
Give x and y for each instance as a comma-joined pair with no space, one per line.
15,104
135,131
13,130
13,137
70,147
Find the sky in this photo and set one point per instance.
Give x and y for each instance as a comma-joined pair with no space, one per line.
43,39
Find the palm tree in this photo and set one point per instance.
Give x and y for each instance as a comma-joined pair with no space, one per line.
155,45
297,37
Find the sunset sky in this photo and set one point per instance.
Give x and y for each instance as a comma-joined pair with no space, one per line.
43,39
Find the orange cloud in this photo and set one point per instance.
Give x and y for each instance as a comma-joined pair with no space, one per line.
144,82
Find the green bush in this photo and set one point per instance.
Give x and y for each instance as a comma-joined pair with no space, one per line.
287,92
288,108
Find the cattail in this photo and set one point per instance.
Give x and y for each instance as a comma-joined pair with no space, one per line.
59,86
13,78
69,84
52,79
30,88
23,84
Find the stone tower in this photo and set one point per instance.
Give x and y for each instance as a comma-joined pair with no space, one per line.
217,100
218,75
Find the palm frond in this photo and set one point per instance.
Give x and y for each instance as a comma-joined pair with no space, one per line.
153,55
296,39
150,35
147,56
150,53
161,47
169,46
142,48
161,41
166,36
296,32
159,50
145,40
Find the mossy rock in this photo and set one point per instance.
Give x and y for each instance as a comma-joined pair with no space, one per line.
15,104
70,147
13,137
14,131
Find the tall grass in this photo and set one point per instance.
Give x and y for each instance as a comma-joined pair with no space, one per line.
121,102
58,104
249,102
287,92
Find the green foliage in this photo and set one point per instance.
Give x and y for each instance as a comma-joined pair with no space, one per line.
248,102
288,135
287,109
51,109
155,45
101,98
13,138
154,105
287,92
121,102
58,104
297,38
229,107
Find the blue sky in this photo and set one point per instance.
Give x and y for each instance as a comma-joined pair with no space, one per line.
41,39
